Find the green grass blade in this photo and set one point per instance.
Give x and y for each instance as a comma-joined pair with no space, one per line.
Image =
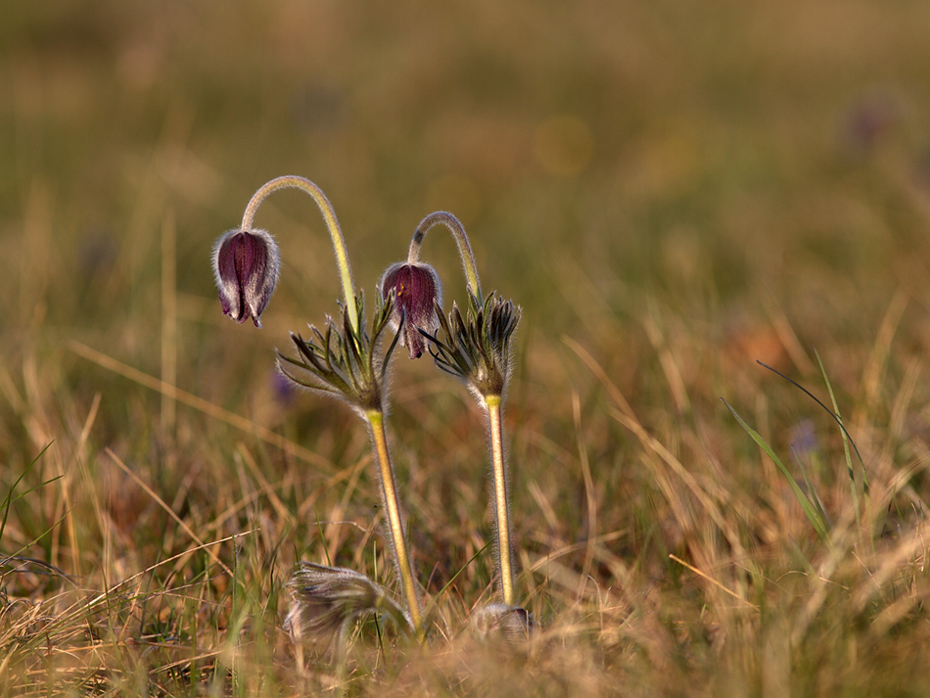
455,576
849,465
8,501
809,508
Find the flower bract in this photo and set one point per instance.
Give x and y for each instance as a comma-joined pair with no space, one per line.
344,362
499,622
476,347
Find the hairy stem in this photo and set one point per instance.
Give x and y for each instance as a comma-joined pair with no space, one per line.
339,244
392,507
461,239
501,497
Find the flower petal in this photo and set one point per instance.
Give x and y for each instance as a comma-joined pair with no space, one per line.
245,264
416,290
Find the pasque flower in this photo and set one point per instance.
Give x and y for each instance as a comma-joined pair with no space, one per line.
343,360
245,264
416,294
476,347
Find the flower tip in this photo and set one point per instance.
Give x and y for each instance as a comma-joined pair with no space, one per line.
245,265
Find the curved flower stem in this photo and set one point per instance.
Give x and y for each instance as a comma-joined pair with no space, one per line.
375,420
339,244
501,497
458,232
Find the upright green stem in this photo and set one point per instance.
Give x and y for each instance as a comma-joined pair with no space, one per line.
339,244
392,506
461,239
501,497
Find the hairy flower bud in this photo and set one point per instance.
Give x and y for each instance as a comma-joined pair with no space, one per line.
499,622
325,599
245,264
416,292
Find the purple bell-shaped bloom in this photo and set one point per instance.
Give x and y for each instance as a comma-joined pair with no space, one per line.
416,292
245,264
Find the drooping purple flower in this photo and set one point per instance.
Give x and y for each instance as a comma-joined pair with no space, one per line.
416,292
245,264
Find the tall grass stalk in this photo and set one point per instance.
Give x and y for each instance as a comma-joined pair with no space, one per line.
169,319
847,455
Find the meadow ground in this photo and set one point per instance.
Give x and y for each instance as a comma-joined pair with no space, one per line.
672,191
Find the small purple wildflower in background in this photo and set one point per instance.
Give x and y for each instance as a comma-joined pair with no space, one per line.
416,292
804,438
282,388
869,120
245,264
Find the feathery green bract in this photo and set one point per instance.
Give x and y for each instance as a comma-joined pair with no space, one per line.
476,347
342,361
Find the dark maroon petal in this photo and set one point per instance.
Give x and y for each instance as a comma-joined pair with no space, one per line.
416,291
245,264
414,340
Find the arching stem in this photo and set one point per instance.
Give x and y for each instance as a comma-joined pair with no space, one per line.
461,239
329,216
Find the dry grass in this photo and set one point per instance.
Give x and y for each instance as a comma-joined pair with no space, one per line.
671,192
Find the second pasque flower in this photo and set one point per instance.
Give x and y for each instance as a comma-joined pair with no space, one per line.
416,292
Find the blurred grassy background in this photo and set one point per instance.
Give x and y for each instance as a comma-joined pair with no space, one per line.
681,188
